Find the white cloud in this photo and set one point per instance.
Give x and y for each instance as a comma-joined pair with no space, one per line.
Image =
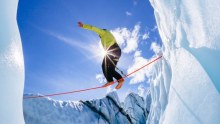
127,39
143,74
128,13
139,76
100,78
132,42
121,35
155,47
146,36
137,54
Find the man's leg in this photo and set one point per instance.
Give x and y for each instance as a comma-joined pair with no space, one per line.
116,75
114,57
106,71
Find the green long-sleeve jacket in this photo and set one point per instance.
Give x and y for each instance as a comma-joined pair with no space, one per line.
106,36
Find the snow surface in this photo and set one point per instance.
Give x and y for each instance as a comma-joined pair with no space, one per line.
107,110
11,65
185,84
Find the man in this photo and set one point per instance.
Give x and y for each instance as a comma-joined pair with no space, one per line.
111,58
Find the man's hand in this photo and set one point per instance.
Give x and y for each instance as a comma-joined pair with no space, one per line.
80,24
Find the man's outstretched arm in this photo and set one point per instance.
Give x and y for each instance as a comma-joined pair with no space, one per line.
92,28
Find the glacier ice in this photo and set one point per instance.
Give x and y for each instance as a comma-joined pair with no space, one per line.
185,83
11,65
135,106
107,110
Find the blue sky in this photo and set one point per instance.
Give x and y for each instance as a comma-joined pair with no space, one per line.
60,56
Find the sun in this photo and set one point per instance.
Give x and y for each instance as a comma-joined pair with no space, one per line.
104,52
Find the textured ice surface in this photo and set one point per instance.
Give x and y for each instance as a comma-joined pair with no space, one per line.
185,85
11,65
107,110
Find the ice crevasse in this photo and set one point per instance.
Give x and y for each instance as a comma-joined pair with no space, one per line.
185,84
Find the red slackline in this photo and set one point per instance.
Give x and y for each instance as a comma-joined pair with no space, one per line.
75,91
